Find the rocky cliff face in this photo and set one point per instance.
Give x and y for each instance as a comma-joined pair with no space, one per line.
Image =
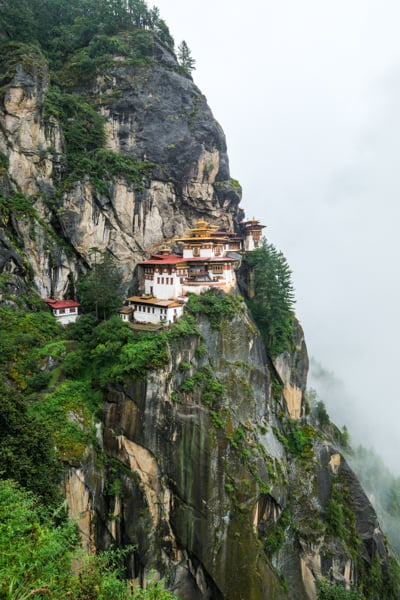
152,112
214,485
210,469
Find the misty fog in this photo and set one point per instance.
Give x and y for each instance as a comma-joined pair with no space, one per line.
308,95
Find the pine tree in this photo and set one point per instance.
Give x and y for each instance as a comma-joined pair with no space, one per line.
272,305
100,290
185,59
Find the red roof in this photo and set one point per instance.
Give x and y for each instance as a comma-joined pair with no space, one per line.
164,259
55,304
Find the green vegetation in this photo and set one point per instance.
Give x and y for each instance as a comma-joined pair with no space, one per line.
78,39
327,591
272,303
83,129
340,517
205,388
216,305
297,438
62,27
116,352
185,59
34,553
17,205
100,290
51,382
38,549
274,539
27,450
154,591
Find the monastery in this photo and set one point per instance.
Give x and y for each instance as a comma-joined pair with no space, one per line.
65,311
209,259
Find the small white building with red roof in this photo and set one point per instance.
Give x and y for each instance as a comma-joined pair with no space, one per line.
65,311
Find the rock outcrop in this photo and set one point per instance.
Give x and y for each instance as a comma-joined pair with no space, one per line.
152,113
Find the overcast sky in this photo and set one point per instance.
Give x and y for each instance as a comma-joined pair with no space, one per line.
308,94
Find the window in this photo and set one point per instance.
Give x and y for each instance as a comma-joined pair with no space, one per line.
196,251
158,280
61,311
72,309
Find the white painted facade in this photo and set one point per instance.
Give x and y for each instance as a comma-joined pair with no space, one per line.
65,311
66,315
154,310
164,281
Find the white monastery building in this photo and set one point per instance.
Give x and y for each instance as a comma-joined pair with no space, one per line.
65,311
209,259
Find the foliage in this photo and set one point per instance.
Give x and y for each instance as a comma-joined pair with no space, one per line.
38,549
153,591
63,27
272,304
68,411
327,591
144,352
83,127
84,135
321,413
185,59
14,53
276,536
216,305
102,577
35,553
17,205
100,290
334,518
27,448
297,439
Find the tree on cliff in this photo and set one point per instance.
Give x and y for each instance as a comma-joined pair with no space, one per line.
272,304
100,290
185,59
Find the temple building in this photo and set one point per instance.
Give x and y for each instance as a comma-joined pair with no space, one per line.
65,311
252,234
209,259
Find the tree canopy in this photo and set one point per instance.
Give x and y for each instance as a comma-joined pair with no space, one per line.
185,58
100,290
272,302
62,26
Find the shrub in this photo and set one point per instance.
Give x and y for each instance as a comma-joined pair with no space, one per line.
334,518
327,591
216,305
